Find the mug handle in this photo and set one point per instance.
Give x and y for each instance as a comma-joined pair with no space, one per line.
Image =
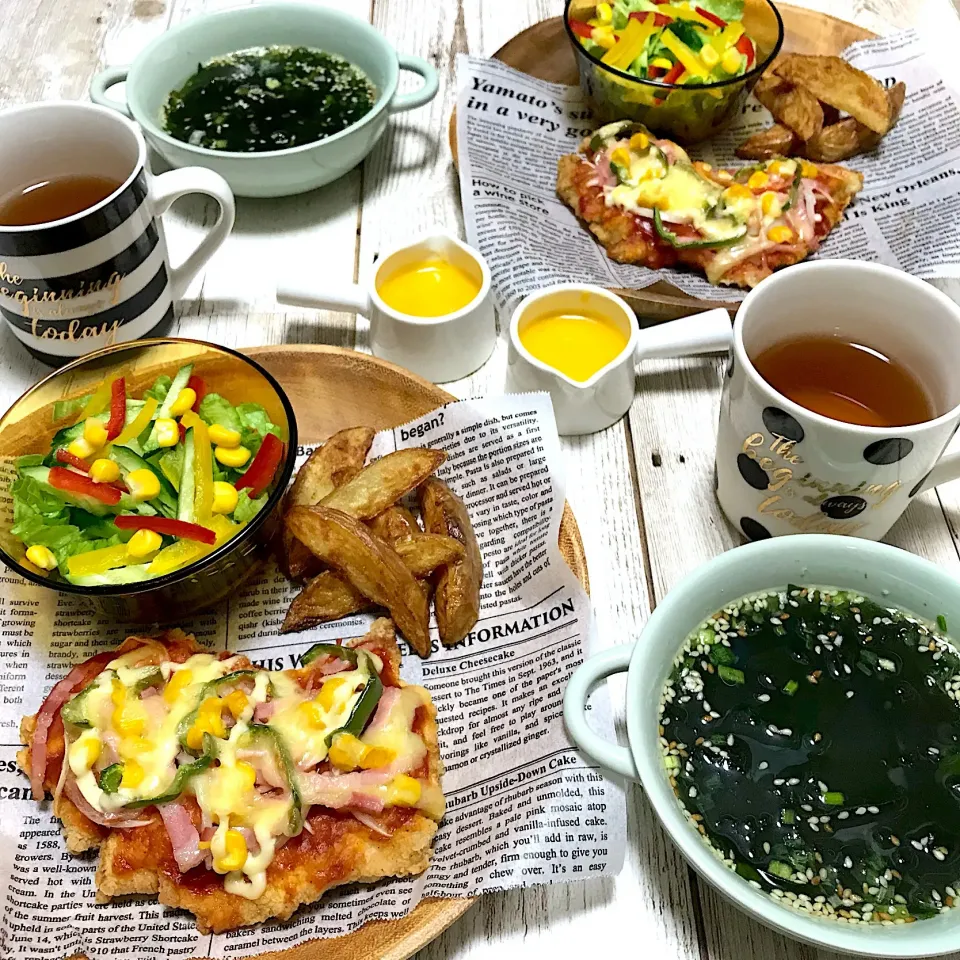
707,332
946,468
586,676
170,186
346,297
102,82
431,83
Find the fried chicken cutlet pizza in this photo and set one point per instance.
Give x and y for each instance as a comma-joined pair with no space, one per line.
233,792
648,203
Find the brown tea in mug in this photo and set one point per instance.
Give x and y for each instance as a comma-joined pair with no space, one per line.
45,200
844,380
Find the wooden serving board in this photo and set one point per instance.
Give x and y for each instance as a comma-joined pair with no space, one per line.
544,51
330,389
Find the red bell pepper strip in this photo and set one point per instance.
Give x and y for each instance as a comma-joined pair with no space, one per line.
62,479
264,466
581,28
745,46
199,386
171,528
712,17
65,456
183,431
655,72
659,19
674,73
118,408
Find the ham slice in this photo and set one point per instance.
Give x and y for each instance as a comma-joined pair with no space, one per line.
184,836
116,821
388,700
338,791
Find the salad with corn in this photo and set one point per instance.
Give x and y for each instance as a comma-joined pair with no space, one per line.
670,41
134,489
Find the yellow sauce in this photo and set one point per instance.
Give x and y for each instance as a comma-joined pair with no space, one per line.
428,288
576,344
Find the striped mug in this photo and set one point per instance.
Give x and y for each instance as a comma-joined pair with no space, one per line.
101,275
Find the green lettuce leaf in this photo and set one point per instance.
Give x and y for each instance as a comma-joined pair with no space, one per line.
159,390
69,408
216,409
688,33
247,508
728,10
256,425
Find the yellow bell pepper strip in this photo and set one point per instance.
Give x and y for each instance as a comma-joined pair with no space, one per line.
203,467
183,552
631,43
684,13
723,41
100,561
137,425
691,62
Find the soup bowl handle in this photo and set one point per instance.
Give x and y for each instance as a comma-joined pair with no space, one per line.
587,675
431,83
102,82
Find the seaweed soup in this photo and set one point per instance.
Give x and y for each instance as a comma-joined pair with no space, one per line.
268,99
812,736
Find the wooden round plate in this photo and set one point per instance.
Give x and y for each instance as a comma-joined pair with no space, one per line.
331,388
544,51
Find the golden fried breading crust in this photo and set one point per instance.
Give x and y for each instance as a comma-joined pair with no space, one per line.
628,238
335,848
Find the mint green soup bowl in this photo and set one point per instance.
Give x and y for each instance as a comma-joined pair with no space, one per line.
172,58
885,574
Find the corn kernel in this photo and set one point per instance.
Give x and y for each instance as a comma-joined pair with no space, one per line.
770,204
312,713
603,37
179,682
235,855
194,738
731,59
621,157
604,13
247,774
81,448
117,694
639,141
204,845
84,753
167,432
808,169
186,398
132,747
782,168
128,720
94,432
232,456
376,757
758,180
737,191
143,484
42,557
133,775
236,702
104,471
347,752
403,791
662,62
780,234
143,543
209,717
709,55
328,692
224,437
225,497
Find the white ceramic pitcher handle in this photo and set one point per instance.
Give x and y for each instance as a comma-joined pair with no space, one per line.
170,186
346,297
586,676
708,332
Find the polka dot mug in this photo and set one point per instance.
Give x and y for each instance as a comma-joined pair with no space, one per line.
783,469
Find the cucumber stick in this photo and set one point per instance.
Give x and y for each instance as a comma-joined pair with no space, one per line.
128,461
179,382
186,509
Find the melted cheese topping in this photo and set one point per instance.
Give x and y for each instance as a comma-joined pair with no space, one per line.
245,793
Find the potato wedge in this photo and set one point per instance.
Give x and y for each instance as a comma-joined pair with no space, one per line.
838,83
423,553
457,597
793,106
326,597
380,484
394,524
339,459
369,564
775,141
839,141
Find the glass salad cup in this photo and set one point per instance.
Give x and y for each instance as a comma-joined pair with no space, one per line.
28,427
687,113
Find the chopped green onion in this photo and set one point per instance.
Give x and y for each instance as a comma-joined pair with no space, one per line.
782,870
791,688
942,622
110,778
833,798
788,816
730,674
721,654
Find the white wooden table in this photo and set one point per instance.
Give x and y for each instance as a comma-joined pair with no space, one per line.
642,491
